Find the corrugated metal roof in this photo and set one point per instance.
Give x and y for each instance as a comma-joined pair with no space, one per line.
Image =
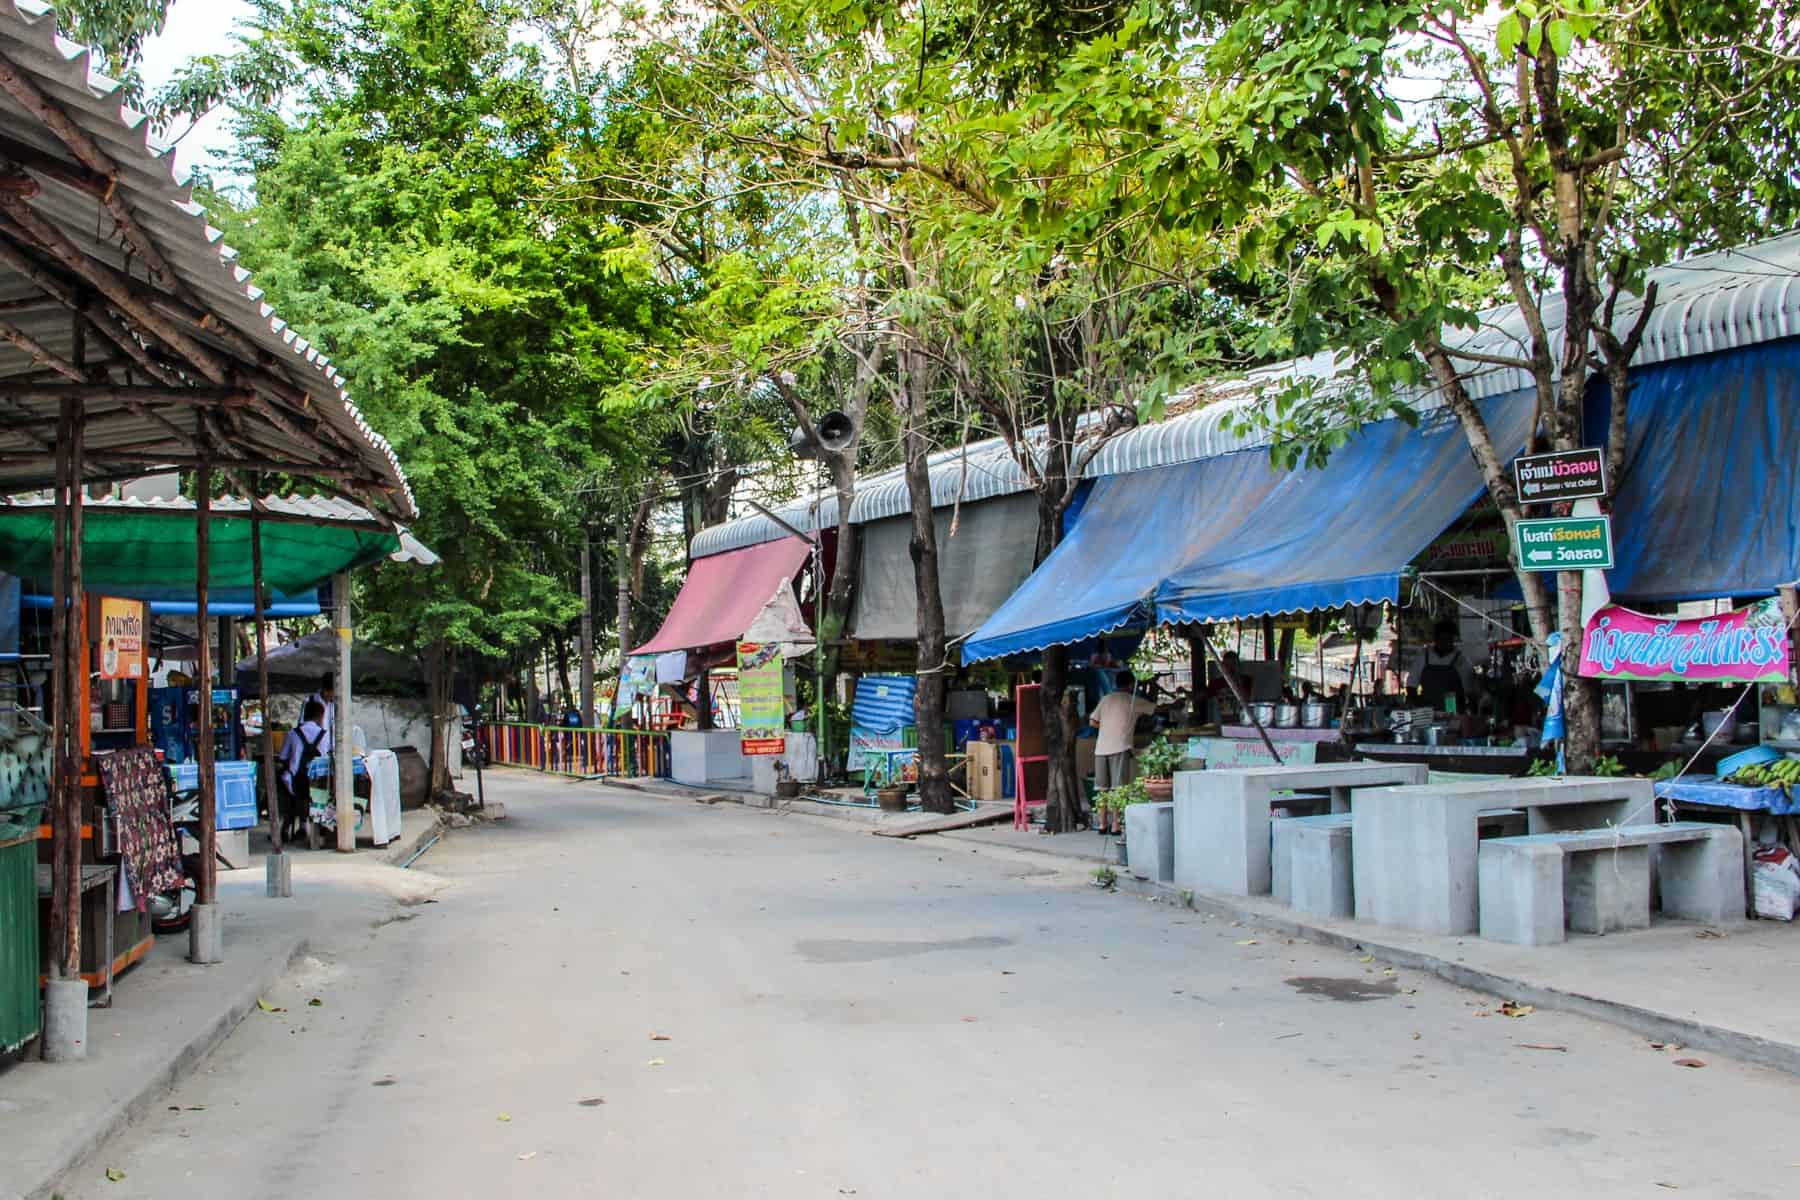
209,302
306,510
1720,301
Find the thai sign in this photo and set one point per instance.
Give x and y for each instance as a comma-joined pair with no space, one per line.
762,707
1746,645
1564,475
121,638
1566,544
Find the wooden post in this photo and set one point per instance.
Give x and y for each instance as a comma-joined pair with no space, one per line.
205,886
341,774
65,778
271,792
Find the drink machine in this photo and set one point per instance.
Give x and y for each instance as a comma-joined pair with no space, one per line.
175,723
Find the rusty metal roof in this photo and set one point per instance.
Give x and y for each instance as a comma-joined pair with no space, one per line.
178,357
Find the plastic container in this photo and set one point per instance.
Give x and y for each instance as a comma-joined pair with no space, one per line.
1747,758
234,790
1722,722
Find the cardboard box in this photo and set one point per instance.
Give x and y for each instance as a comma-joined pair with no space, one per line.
987,766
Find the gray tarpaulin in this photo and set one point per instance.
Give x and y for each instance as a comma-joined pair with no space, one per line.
981,566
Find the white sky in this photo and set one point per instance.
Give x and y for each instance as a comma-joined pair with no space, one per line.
194,27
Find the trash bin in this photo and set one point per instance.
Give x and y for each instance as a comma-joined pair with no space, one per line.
20,1015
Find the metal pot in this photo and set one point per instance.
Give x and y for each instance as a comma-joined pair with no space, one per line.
1287,716
1316,714
1263,712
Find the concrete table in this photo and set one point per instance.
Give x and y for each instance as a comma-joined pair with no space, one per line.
1222,821
1415,857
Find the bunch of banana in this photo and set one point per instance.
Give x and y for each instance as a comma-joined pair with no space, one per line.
1783,773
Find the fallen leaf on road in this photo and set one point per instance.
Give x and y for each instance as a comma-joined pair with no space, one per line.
1695,1063
267,1007
1415,1037
591,1102
1659,1045
1409,991
1673,1187
656,1062
1482,1012
1543,1046
1711,933
1366,958
1387,970
970,1020
315,1002
1509,1008
528,1156
113,1174
383,1083
1248,942
659,1037
504,1117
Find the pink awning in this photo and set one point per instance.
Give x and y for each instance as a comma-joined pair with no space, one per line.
723,594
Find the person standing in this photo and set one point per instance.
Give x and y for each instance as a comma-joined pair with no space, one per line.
1442,670
326,698
1116,717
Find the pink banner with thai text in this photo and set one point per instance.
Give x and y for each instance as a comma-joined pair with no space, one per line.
1745,645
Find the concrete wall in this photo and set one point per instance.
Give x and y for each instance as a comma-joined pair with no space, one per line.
387,721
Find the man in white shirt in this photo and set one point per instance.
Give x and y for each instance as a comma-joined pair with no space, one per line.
1116,716
305,742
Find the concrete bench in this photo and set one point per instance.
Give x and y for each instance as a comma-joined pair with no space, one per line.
1222,818
1535,887
1415,863
1314,860
1150,841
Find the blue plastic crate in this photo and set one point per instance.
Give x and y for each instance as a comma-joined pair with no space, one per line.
234,790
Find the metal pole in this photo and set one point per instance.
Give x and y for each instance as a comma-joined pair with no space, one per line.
587,629
65,813
341,722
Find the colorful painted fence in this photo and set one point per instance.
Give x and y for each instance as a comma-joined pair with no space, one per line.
560,750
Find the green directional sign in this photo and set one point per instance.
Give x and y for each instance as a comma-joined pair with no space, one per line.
1566,544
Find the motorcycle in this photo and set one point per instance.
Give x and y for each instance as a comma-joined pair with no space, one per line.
473,753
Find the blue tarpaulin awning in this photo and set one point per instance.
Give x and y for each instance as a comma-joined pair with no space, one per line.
1233,536
1709,505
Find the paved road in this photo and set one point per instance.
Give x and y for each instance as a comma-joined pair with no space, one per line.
848,1015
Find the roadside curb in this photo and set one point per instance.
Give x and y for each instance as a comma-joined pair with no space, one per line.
404,847
127,1110
1648,1022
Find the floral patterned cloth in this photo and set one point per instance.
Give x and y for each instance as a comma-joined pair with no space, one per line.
139,792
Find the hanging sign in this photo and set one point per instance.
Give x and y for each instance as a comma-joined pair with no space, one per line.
1564,475
636,678
762,707
1746,645
1566,544
121,638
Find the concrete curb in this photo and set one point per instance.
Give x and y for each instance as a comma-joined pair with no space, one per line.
181,1062
403,847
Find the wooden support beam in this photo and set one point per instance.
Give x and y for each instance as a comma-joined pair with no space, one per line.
208,397
65,823
40,353
193,462
21,89
108,284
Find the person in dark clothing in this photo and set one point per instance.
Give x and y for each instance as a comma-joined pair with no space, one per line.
1443,670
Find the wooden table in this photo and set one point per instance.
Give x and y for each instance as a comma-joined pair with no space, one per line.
92,877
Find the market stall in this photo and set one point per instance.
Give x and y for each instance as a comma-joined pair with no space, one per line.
133,344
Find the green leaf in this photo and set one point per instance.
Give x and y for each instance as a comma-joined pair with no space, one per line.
1507,34
1562,36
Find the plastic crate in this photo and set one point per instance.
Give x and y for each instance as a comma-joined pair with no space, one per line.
234,790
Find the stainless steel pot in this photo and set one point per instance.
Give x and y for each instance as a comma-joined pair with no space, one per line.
1263,712
1287,716
1316,714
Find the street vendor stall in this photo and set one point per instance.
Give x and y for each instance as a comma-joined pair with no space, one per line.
133,344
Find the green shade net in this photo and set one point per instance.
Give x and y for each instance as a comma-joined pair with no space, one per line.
150,555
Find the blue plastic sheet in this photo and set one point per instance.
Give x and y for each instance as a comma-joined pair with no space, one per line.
1707,789
1232,536
1710,501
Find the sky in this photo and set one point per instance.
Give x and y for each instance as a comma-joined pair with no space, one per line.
193,27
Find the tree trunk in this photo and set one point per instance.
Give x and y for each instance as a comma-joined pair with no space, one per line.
561,645
440,670
1065,806
586,665
928,700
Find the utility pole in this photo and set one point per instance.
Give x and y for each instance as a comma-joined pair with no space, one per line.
587,629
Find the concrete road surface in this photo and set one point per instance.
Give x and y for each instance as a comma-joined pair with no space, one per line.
853,1016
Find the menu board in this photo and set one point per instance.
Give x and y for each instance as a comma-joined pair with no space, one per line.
762,708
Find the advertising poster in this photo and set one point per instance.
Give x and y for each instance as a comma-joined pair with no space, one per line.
121,638
1745,645
637,679
761,706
